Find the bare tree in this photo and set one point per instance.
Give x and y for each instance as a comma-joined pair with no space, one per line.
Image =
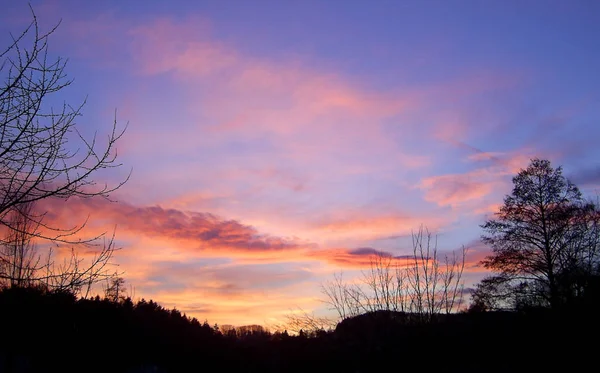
44,156
24,263
344,298
77,273
435,284
309,323
18,260
422,285
115,289
42,153
382,280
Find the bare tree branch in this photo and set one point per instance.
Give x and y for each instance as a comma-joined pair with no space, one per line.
425,288
44,156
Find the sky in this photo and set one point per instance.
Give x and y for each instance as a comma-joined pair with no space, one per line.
272,144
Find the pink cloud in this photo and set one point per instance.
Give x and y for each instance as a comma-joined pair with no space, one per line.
374,225
165,234
206,230
309,118
178,257
308,111
477,251
165,46
454,190
183,234
471,189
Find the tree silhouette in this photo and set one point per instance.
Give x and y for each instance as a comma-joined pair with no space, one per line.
115,290
424,284
19,263
44,156
544,241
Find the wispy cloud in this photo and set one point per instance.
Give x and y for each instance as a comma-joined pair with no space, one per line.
470,189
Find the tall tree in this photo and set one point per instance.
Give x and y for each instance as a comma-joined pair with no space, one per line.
542,238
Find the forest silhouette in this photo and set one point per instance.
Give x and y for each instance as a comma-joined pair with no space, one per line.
54,331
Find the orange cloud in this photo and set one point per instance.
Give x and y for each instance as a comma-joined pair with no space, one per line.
247,307
370,225
160,234
205,229
200,264
223,291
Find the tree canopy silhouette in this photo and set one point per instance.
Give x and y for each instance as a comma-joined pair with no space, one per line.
544,242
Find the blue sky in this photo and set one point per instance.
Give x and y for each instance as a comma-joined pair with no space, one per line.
270,140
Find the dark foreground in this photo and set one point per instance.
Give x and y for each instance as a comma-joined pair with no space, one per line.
44,332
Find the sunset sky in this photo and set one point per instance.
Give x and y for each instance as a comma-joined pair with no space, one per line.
274,143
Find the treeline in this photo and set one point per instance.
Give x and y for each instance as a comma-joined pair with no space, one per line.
50,330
